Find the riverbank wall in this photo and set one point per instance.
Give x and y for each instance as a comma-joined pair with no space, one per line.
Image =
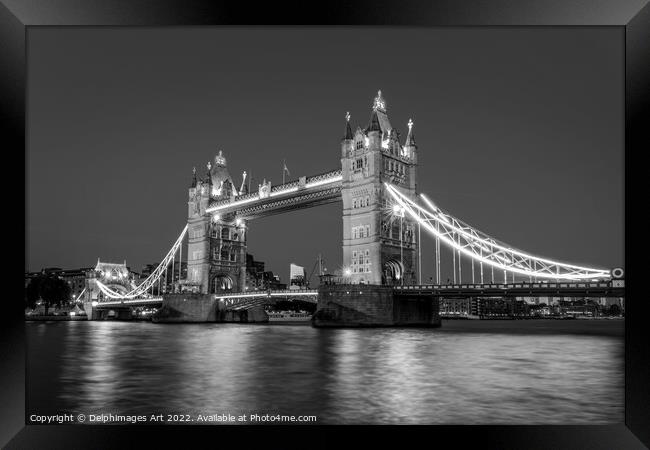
48,318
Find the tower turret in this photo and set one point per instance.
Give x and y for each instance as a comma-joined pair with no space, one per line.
348,129
347,143
208,176
373,131
193,184
410,147
379,124
243,189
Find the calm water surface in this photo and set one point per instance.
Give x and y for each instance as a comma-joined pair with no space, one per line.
466,372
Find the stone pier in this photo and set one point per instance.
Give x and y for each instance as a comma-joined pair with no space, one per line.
364,305
121,312
188,307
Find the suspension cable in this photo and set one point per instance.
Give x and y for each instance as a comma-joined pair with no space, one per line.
483,248
151,280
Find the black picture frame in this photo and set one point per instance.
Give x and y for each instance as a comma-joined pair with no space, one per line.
17,17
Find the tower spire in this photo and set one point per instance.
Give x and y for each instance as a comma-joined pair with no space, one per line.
193,185
379,104
348,130
220,160
242,188
378,118
410,138
208,175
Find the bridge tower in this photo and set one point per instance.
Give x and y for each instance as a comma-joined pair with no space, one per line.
379,241
216,250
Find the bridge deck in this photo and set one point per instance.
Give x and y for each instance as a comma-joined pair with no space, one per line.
133,302
249,300
270,293
586,289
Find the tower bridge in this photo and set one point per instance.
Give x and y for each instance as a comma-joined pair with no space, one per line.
377,248
383,216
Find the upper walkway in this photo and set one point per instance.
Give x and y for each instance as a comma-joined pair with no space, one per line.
301,193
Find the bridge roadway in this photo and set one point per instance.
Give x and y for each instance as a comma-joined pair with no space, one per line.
614,288
248,300
236,300
231,299
153,301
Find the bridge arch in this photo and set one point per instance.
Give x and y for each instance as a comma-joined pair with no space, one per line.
393,271
222,282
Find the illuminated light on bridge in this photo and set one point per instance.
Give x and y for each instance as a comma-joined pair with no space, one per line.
464,238
226,297
235,203
133,302
284,191
334,179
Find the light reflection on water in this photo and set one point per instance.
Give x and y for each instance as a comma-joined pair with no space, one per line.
463,373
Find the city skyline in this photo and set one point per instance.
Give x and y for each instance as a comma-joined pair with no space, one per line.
151,128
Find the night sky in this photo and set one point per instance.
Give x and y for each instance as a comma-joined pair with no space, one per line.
520,133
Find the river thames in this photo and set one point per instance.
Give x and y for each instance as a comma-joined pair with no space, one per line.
466,372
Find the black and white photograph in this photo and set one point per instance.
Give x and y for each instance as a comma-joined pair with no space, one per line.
332,225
